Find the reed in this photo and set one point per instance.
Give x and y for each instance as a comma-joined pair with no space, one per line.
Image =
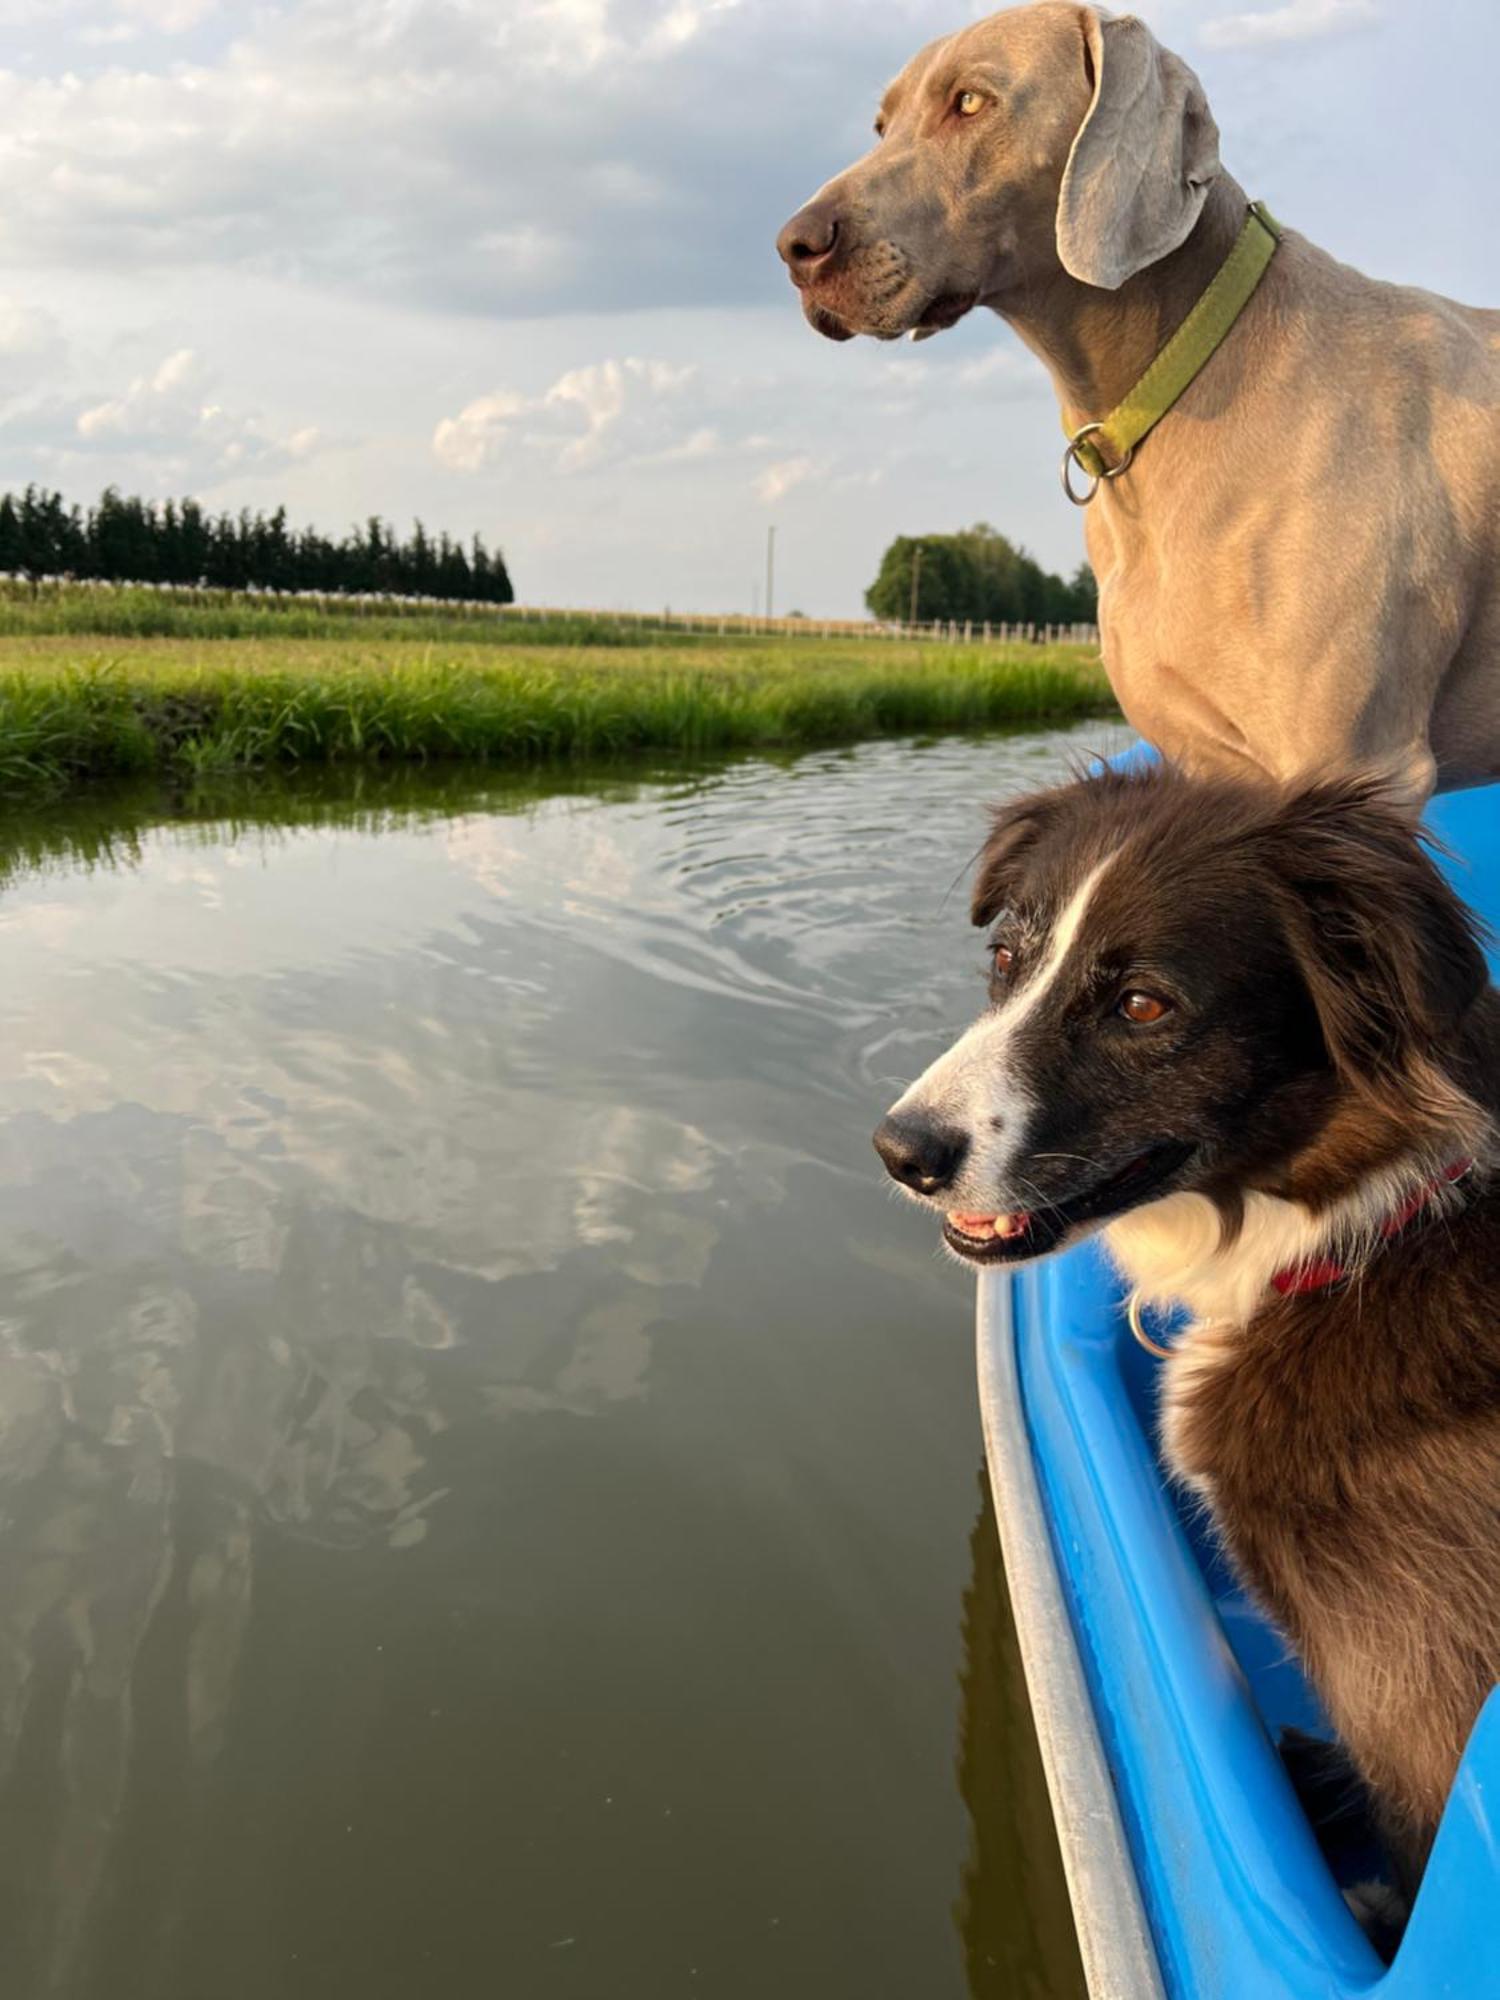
70,712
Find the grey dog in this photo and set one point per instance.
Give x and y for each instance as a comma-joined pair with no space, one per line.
1300,569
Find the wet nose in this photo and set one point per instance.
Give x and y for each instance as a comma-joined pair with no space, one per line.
809,241
918,1153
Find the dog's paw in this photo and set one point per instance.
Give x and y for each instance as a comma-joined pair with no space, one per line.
1381,1913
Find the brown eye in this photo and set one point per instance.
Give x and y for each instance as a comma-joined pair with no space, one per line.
967,103
1003,958
1143,1008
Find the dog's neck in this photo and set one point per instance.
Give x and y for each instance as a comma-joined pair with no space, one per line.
1097,345
1178,1252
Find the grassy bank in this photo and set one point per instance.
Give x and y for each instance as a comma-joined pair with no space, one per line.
73,709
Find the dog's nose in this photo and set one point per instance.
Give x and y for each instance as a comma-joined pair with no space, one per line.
809,240
919,1154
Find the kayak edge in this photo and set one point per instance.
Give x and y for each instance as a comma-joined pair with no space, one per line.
1114,1938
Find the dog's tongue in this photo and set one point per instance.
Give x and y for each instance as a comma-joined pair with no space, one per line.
983,1227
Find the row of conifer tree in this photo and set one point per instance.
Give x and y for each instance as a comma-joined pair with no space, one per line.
125,540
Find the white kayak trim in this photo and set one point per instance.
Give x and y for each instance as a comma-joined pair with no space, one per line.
1114,1938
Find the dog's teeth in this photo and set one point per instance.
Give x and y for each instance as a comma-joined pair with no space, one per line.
978,1226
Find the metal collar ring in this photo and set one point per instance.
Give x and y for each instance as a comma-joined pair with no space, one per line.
1070,458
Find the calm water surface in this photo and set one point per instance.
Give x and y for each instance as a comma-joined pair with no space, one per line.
489,1482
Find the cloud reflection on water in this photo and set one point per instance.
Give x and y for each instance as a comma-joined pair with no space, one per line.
319,1150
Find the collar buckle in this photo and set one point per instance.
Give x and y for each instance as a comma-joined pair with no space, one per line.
1091,463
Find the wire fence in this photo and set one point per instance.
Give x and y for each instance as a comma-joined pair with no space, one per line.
952,631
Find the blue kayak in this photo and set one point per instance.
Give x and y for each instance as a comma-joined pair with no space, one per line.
1160,1693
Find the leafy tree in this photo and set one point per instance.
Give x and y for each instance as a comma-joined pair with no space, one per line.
975,574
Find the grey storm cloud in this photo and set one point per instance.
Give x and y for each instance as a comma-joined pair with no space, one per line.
514,161
561,156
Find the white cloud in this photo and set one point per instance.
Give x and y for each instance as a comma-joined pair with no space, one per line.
108,23
572,422
701,443
147,405
480,431
31,345
172,17
778,480
1298,21
169,409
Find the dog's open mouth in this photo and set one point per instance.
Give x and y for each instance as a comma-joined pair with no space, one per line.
1032,1232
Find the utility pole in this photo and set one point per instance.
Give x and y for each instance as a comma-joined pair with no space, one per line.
754,602
770,574
916,579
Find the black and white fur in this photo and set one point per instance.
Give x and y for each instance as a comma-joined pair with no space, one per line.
1240,1030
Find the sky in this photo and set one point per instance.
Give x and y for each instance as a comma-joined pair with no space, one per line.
509,266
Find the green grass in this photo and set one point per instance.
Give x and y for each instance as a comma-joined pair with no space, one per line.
72,710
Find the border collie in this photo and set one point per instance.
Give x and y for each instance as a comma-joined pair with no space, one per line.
1250,1036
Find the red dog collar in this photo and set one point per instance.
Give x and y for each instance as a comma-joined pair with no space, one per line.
1325,1272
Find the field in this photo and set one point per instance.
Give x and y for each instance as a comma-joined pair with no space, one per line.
183,687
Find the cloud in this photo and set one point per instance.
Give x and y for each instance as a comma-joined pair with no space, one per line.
1298,21
545,156
169,410
704,442
106,23
574,423
171,17
148,405
778,480
32,346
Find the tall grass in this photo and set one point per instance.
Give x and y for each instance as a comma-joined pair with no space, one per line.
220,706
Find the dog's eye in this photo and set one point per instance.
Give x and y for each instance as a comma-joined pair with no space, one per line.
967,103
1002,958
1143,1008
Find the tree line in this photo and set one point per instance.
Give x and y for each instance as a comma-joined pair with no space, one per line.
977,574
125,540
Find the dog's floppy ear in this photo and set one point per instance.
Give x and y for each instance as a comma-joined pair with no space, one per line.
1014,830
1390,955
1143,159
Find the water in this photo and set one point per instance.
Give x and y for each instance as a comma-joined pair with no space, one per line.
489,1482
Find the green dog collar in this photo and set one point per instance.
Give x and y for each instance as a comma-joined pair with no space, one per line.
1104,450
